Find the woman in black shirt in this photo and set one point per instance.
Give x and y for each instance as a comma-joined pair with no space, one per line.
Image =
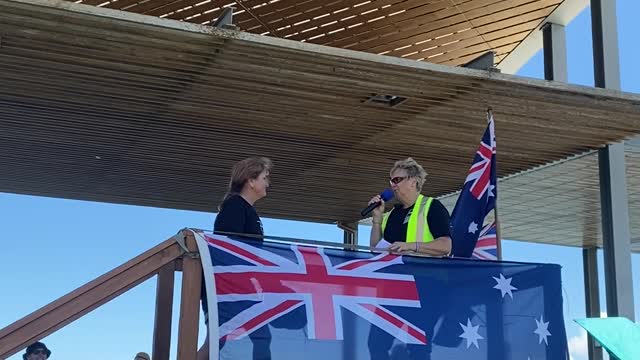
407,178
249,183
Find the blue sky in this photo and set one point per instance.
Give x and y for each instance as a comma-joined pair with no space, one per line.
52,246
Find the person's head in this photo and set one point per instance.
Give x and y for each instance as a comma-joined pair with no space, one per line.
406,179
36,351
250,177
142,356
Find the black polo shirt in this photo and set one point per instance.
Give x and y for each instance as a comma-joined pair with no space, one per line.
437,218
238,216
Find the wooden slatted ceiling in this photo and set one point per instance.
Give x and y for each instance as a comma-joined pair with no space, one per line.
111,106
450,32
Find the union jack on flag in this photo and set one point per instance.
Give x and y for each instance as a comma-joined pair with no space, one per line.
487,246
480,173
278,285
471,238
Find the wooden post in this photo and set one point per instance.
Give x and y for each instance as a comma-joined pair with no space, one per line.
189,302
164,309
350,238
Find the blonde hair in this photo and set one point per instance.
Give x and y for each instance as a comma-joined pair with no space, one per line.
245,170
413,170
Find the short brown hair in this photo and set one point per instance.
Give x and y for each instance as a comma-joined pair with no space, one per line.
245,170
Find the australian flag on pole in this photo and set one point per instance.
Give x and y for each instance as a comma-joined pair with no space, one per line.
470,236
286,301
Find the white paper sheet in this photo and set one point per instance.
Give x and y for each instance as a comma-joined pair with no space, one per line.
383,244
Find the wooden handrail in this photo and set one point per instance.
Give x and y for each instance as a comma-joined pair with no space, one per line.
86,298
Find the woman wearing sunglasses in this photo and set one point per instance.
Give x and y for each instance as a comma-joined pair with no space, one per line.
418,223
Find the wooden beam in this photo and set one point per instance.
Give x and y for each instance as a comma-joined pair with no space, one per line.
164,307
189,302
48,319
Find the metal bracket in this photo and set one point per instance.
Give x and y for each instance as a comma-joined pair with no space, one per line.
483,62
181,242
225,20
385,100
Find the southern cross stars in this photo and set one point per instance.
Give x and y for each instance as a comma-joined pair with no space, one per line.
470,333
504,285
542,329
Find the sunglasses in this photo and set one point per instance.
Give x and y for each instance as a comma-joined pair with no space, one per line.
397,180
39,352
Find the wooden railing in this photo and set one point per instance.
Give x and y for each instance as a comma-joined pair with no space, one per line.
162,260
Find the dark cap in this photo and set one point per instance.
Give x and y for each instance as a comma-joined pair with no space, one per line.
35,346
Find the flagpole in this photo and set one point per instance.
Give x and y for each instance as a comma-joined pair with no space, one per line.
498,238
495,209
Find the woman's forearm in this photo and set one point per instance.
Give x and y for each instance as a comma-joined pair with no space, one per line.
376,233
438,247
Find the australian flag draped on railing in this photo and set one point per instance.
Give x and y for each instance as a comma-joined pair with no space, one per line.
471,238
286,301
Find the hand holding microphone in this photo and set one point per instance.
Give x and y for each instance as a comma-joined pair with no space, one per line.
376,204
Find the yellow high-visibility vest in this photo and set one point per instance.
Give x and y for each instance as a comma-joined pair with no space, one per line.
417,222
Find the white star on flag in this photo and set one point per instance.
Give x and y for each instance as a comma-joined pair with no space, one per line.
470,333
491,187
504,285
473,227
542,330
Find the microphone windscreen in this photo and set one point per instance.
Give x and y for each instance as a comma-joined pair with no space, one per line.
387,195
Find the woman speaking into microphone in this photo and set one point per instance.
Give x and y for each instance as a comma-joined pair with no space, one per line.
418,223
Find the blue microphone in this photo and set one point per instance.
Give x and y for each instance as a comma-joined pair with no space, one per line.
386,195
